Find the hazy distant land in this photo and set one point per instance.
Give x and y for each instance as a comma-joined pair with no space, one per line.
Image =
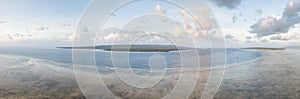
135,48
153,48
264,48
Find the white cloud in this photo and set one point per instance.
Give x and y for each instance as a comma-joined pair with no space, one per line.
2,22
264,40
15,37
268,26
259,11
230,4
190,23
234,18
115,37
160,10
42,28
274,25
249,37
179,32
155,39
230,38
286,37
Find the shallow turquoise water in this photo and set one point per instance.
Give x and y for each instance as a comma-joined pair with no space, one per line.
136,60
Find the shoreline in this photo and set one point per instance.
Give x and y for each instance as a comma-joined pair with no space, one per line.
255,78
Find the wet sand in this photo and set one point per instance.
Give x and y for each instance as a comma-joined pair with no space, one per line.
274,76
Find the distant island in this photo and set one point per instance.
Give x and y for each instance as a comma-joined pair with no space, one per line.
264,48
134,48
293,47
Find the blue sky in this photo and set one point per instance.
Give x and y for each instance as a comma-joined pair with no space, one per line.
247,16
27,17
52,22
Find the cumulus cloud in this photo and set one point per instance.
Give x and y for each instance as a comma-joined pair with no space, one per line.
207,22
292,9
230,4
275,25
14,36
71,37
154,39
264,40
83,34
230,37
67,25
9,37
179,32
285,37
115,37
270,25
182,28
249,41
249,37
42,28
279,38
2,22
234,18
259,11
160,10
191,26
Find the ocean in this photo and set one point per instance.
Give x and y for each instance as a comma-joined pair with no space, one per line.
136,59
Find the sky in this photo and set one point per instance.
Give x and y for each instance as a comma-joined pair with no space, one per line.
243,22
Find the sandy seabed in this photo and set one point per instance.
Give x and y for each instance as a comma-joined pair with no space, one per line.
275,75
